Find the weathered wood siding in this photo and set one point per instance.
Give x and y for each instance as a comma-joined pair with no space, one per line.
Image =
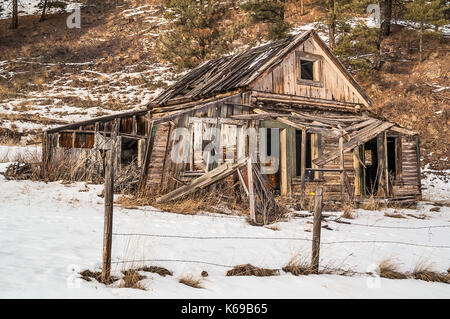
283,78
330,181
409,184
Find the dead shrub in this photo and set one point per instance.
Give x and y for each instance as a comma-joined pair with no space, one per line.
158,270
250,270
371,204
423,270
190,281
389,269
131,279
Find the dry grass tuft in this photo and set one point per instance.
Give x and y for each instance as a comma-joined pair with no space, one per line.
348,214
131,279
97,275
423,270
389,269
250,270
158,270
298,265
190,281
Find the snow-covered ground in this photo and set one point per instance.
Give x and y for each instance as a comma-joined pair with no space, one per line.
49,232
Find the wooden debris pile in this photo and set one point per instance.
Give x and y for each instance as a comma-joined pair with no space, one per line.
19,171
263,208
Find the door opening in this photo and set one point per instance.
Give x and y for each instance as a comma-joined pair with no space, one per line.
371,172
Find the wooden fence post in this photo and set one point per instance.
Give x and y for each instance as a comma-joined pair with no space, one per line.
316,230
109,205
251,194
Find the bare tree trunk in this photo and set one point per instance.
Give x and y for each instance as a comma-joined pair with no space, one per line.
44,8
386,16
15,15
332,24
421,42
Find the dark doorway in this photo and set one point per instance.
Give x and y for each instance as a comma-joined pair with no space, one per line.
309,175
270,151
129,150
394,158
371,171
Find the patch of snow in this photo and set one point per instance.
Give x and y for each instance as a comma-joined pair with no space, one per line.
436,184
49,232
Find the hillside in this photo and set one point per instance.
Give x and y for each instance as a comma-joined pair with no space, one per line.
50,75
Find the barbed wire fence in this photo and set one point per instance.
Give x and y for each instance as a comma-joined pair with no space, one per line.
315,240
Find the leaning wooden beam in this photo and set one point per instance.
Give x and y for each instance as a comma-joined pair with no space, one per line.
403,130
282,120
275,97
147,156
95,120
251,193
367,134
203,181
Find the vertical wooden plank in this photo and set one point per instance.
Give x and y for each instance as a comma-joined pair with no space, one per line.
341,166
303,161
316,230
134,127
108,219
251,194
197,146
381,163
45,154
386,168
283,163
357,168
419,181
141,152
146,163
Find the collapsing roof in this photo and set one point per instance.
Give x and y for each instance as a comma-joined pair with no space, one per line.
238,71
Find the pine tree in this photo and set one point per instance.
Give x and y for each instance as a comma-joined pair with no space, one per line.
270,12
195,32
45,5
337,14
426,14
357,49
385,17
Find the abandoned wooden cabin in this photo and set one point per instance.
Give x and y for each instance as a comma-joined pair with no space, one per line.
289,102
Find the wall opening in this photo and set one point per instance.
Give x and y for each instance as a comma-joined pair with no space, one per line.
309,175
129,150
371,172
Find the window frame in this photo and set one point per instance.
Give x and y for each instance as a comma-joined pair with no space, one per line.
317,68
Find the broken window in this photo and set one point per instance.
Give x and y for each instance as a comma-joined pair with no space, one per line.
306,70
309,69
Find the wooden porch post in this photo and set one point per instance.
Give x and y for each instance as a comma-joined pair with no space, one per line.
341,167
283,163
303,160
